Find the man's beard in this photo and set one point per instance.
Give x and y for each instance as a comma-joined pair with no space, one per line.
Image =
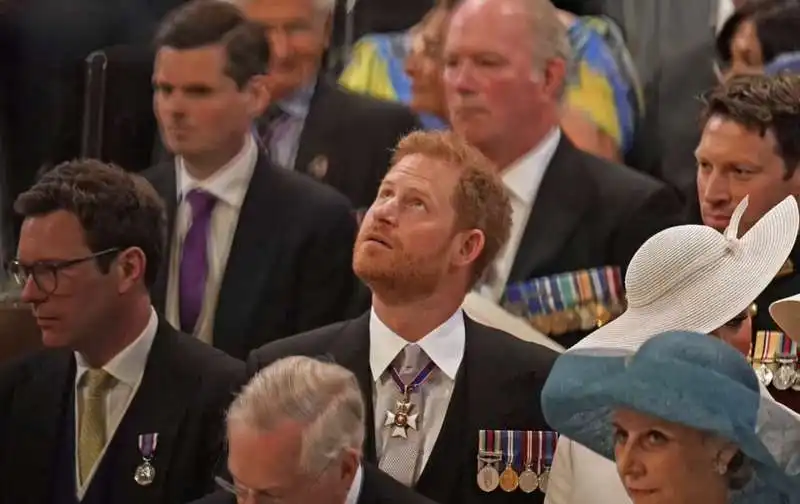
401,277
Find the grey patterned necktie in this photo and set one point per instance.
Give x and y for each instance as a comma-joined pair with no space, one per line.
402,454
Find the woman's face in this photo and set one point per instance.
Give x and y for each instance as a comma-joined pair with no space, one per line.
424,64
737,332
664,463
746,57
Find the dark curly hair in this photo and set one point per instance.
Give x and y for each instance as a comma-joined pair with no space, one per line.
763,104
116,209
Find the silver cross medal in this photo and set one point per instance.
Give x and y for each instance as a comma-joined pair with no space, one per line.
401,419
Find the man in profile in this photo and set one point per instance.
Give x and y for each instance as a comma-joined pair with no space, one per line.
118,408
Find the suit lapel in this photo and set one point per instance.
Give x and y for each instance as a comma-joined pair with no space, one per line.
166,185
351,350
439,478
158,407
478,402
254,250
561,202
312,139
37,419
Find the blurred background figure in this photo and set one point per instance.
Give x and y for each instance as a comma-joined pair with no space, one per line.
602,98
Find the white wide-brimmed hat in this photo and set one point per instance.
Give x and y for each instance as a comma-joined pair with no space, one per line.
786,313
694,278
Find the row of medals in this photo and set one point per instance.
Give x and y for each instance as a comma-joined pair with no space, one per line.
489,478
582,318
781,373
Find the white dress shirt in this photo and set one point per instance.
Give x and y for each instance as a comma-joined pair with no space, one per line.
127,367
522,180
355,487
445,347
229,185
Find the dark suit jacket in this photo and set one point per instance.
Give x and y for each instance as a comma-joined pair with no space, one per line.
355,136
377,487
590,213
780,287
497,387
290,265
185,390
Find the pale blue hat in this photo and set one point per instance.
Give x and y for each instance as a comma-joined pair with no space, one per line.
684,378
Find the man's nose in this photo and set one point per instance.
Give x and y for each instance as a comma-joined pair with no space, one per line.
31,293
714,188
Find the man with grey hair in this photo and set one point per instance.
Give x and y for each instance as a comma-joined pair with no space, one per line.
576,219
302,127
295,434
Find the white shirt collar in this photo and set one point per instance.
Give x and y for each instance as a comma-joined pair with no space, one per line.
229,184
355,487
444,345
523,177
127,366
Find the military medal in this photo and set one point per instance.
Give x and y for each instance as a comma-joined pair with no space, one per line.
548,440
760,353
489,454
145,473
509,480
528,480
785,375
403,417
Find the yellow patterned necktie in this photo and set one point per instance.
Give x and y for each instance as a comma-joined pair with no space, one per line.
92,423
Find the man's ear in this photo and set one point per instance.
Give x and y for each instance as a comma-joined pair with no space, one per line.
257,95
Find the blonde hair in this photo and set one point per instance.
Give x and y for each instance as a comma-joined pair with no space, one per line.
323,397
480,198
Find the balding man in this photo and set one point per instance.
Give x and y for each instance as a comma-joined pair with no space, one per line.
295,434
577,219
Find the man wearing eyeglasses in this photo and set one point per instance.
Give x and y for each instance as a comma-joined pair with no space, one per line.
295,435
118,408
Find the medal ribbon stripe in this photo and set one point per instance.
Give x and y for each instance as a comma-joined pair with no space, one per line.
540,457
773,342
482,443
416,382
148,444
550,447
528,459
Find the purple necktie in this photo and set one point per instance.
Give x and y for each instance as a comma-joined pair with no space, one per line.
194,258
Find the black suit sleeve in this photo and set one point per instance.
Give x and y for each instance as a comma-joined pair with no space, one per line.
325,285
662,209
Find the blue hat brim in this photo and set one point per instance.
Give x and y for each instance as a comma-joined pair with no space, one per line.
583,391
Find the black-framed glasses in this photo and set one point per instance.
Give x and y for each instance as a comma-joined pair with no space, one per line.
45,273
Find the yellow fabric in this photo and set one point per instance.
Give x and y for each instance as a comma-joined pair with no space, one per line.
368,73
92,422
594,96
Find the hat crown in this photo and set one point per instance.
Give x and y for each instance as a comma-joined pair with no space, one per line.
672,259
698,351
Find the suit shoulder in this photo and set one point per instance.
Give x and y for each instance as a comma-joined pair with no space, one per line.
625,178
512,351
197,355
310,343
357,103
158,172
307,192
